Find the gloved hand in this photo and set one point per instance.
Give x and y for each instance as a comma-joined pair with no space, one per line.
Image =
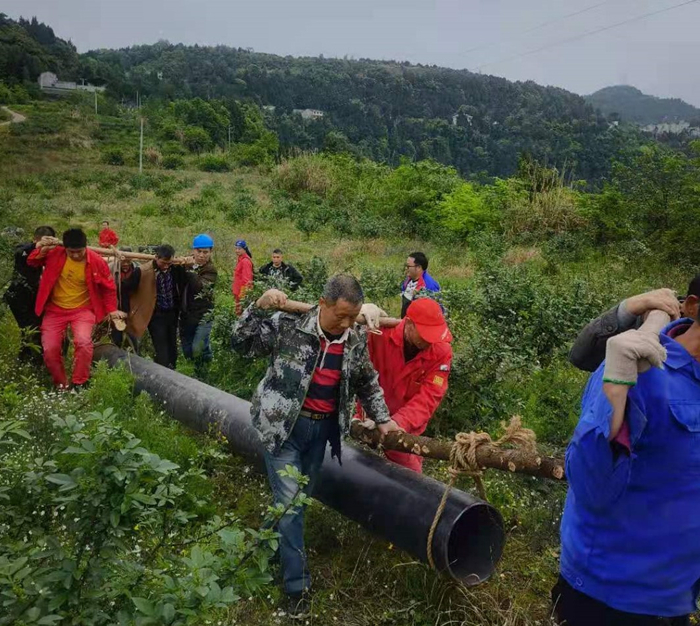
272,299
635,351
661,299
370,314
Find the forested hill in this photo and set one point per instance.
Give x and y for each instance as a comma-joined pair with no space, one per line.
385,111
631,105
382,110
28,47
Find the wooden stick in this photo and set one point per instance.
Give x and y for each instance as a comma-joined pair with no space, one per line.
141,256
292,306
487,455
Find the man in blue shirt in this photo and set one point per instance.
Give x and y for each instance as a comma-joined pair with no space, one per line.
417,280
631,525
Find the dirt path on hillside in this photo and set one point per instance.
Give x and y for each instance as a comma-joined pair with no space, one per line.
16,117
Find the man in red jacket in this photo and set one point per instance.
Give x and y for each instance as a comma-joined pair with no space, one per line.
76,290
413,361
108,237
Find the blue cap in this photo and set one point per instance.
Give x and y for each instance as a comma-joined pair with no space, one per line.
203,241
241,243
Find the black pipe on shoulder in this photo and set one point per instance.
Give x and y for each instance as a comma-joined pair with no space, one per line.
391,501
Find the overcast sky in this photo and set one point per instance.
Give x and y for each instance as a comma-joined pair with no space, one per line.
659,54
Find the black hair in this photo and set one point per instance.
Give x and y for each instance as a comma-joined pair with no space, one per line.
165,252
105,222
125,249
420,259
44,231
343,286
694,287
74,238
277,251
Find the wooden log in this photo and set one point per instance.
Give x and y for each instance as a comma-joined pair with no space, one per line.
137,256
292,306
487,455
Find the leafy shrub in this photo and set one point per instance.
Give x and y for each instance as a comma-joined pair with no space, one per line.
113,156
196,139
172,162
462,212
255,154
213,163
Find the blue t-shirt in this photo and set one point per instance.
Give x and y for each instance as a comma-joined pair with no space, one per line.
631,526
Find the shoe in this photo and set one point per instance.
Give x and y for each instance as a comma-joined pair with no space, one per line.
298,605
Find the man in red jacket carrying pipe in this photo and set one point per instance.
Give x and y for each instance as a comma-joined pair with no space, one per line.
413,361
76,290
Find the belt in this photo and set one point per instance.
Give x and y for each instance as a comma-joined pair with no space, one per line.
317,416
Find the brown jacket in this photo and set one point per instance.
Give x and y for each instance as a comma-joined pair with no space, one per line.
142,302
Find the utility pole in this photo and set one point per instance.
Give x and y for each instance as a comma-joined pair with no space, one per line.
229,137
141,149
95,92
138,101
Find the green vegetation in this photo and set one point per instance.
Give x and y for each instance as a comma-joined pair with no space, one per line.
631,105
524,261
382,110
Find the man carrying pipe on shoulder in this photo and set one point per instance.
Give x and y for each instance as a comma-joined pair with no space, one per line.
413,361
318,362
77,290
631,525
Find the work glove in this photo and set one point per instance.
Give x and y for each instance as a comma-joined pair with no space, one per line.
661,299
635,351
272,299
369,315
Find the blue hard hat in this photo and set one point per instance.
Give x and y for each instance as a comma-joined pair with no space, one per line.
203,241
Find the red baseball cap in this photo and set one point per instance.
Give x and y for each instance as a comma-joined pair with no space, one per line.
429,321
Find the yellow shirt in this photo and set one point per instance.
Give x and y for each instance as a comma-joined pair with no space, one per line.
70,290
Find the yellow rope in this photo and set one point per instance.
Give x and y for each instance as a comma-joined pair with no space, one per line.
463,460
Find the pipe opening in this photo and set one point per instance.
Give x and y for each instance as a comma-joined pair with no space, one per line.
475,544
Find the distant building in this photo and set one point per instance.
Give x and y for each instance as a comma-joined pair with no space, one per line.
269,107
672,128
48,81
309,114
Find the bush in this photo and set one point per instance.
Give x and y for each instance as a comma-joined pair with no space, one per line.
196,139
113,156
172,162
255,154
213,163
462,212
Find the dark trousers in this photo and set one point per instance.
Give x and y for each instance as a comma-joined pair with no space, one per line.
573,608
304,450
122,339
21,303
163,331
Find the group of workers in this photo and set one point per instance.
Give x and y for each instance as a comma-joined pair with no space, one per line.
631,525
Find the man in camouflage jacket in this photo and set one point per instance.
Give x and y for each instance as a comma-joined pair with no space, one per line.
319,361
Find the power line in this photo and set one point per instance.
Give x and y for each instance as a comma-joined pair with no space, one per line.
534,28
587,34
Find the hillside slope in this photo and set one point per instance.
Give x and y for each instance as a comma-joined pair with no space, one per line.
634,106
383,110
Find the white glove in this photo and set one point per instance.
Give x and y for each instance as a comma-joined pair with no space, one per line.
369,315
635,351
272,299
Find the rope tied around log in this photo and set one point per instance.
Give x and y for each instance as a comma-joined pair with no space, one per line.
463,460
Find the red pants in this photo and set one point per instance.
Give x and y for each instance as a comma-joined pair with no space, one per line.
53,329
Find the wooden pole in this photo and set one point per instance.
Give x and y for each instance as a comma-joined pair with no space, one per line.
292,306
141,149
95,92
487,455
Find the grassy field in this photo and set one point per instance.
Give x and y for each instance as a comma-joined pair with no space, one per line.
51,173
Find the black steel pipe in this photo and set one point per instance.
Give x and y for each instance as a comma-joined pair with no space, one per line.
387,499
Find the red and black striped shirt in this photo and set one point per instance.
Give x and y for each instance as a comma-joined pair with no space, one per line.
322,396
